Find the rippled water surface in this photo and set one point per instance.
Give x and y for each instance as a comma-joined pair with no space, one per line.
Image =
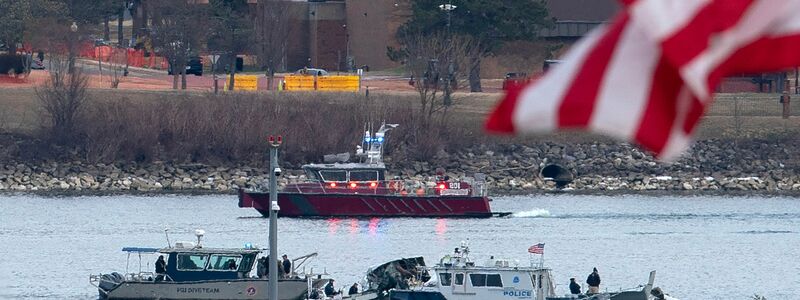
702,247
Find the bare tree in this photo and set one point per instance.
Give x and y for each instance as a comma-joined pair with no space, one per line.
272,33
437,66
176,32
232,32
63,97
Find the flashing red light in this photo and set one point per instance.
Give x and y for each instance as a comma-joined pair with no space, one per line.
353,185
280,139
333,184
441,186
373,184
271,138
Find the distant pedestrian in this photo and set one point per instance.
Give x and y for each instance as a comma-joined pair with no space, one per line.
594,282
287,266
574,287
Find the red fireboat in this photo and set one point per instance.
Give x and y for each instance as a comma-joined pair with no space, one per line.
338,188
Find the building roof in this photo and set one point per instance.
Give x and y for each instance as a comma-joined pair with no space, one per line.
582,10
574,18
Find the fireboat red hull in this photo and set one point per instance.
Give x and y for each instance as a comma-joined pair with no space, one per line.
369,205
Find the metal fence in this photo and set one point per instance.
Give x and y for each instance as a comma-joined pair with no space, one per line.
746,115
757,105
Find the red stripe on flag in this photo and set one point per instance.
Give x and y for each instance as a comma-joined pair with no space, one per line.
659,115
578,102
502,118
694,37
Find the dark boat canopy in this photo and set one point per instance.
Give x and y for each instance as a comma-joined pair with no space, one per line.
140,250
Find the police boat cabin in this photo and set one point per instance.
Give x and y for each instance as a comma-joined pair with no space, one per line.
191,271
456,276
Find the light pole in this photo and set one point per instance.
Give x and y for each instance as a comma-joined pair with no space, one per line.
274,171
449,7
346,48
71,60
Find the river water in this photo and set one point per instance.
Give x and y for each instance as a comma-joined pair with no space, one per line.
703,247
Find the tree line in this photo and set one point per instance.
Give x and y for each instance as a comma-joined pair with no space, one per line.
174,29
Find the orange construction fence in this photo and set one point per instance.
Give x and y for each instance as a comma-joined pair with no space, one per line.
134,58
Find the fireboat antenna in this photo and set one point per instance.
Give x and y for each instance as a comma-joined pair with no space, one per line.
166,234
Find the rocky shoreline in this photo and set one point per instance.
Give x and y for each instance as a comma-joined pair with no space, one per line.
711,165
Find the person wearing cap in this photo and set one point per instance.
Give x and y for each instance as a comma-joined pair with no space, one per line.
287,266
594,282
574,287
329,289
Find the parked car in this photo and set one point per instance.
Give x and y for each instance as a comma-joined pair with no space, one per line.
312,71
515,79
549,63
193,66
37,64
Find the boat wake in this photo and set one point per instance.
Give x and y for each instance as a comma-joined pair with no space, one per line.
533,213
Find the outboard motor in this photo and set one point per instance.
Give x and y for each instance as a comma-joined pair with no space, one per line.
560,175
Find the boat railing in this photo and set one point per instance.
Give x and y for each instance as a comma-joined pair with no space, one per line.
382,187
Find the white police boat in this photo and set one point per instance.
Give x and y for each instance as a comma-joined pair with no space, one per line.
458,277
197,272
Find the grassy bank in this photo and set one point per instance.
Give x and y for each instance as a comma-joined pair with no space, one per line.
145,126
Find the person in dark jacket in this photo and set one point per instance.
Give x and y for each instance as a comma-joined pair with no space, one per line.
353,289
161,268
262,269
574,287
287,266
329,289
594,282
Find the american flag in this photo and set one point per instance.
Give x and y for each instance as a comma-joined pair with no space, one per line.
648,77
536,249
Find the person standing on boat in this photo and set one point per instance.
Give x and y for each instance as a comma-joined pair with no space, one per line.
329,289
574,287
594,282
262,269
353,289
287,266
161,268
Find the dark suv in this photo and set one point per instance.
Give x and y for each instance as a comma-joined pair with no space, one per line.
193,66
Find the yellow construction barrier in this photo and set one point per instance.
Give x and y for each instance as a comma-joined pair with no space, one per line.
298,83
323,83
243,82
337,83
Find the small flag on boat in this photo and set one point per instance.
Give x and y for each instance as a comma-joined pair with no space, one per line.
536,249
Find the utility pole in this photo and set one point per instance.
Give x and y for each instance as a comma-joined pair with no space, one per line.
450,68
274,171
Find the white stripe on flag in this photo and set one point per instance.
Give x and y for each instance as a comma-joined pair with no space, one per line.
678,140
625,92
662,18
